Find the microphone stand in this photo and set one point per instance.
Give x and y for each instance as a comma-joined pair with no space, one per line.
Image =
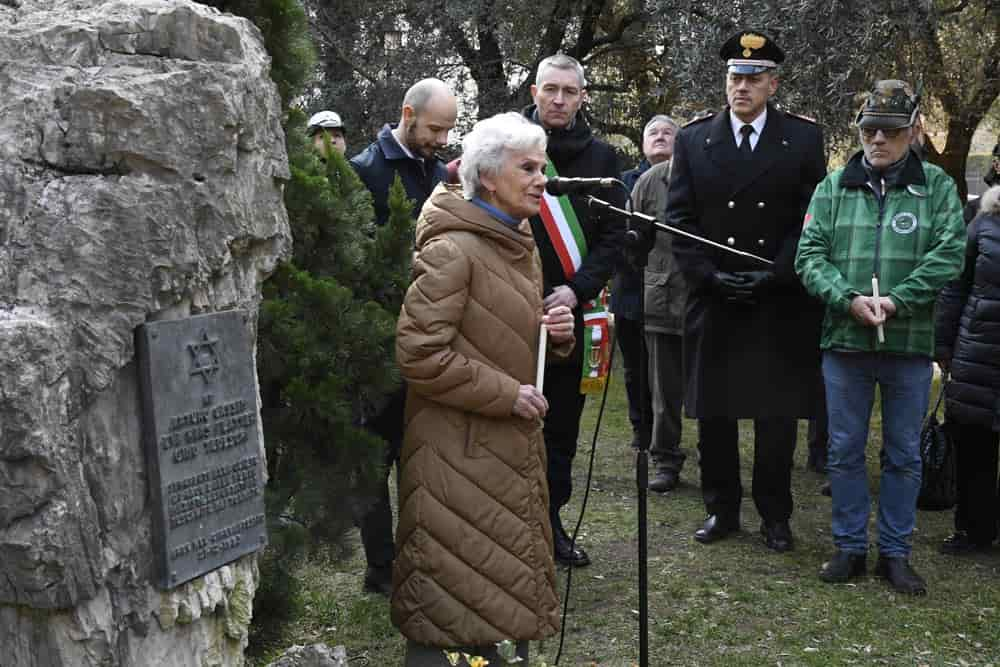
639,224
647,221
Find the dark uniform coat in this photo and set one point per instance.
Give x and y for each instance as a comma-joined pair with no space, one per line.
745,361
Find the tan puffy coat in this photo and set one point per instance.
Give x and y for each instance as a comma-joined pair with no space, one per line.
474,545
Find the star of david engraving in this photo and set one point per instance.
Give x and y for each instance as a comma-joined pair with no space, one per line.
204,357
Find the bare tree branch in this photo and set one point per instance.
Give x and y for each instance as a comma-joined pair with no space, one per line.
954,10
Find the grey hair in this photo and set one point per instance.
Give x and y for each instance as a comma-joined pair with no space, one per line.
420,93
560,61
486,146
657,120
990,204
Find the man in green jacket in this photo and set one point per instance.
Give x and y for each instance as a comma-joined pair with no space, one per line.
881,237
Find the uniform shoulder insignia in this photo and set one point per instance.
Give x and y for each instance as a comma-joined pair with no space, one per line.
801,117
703,116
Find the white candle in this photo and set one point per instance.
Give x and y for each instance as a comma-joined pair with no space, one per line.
543,336
878,309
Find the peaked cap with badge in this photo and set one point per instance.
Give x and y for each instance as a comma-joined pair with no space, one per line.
751,52
890,105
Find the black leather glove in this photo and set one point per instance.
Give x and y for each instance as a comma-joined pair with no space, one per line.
732,287
639,242
757,282
637,247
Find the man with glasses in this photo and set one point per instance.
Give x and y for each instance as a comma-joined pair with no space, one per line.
890,221
743,178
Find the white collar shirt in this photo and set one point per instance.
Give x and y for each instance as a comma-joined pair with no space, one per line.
758,127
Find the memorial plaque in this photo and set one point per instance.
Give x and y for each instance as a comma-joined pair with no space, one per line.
202,447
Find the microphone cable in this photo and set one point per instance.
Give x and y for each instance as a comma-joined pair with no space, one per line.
590,466
586,495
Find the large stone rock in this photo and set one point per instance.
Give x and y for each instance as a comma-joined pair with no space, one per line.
141,160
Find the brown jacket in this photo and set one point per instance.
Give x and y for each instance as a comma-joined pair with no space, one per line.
474,545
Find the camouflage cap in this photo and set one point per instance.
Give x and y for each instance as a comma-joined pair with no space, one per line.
891,104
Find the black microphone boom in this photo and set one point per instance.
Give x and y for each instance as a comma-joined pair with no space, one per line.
567,186
651,221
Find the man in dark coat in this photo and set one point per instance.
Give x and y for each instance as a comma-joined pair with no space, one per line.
627,286
408,149
743,178
573,151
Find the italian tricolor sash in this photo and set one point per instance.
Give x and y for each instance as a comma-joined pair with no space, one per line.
570,244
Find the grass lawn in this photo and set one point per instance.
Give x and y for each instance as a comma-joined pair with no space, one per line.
730,603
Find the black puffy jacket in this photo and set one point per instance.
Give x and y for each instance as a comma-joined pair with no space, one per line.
968,324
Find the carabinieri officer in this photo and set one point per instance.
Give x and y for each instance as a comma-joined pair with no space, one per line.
743,177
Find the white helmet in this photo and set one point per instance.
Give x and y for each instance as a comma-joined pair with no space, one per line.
324,119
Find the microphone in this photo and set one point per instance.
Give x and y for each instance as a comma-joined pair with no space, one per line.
566,186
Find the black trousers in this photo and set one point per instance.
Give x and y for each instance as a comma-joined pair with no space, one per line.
819,435
629,334
375,518
774,446
562,427
976,450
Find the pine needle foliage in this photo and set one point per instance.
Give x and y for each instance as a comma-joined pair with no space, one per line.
326,350
326,335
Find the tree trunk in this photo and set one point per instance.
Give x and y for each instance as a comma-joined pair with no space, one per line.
956,152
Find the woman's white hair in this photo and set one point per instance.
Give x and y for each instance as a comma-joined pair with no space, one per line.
990,204
483,149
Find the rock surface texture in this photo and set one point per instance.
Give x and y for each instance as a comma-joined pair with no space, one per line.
141,161
315,655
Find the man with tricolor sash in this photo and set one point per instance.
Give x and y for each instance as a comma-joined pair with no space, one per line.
580,249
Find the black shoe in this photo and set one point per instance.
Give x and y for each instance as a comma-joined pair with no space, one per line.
567,554
777,535
959,544
378,580
715,528
900,575
843,567
665,480
825,490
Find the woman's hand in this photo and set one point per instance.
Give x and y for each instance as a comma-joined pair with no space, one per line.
530,403
559,321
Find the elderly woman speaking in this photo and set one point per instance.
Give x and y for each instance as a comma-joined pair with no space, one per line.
474,563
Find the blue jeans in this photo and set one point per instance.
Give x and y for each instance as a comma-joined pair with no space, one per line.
904,384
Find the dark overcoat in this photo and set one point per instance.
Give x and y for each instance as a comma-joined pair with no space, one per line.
968,328
747,361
